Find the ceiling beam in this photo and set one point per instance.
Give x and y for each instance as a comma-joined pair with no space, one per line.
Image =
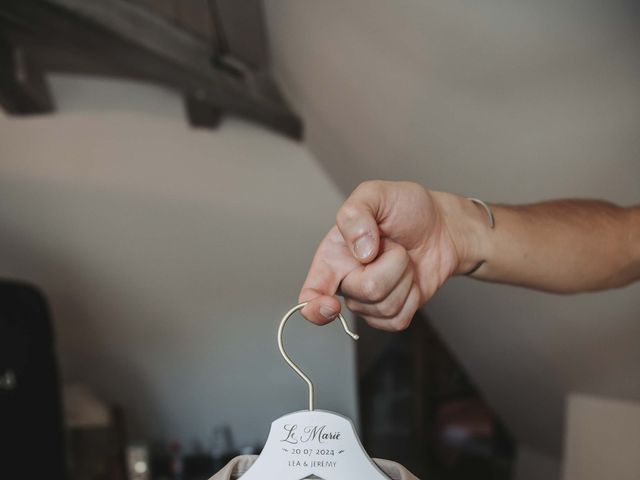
23,87
123,39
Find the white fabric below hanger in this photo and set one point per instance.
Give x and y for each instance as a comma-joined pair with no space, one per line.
239,466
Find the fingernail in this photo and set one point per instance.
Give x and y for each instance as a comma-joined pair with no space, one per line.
328,313
363,247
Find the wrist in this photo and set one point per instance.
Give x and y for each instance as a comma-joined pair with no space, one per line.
634,235
469,228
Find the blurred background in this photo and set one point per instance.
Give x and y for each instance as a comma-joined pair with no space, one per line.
168,167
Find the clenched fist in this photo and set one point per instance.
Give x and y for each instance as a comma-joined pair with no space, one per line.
394,244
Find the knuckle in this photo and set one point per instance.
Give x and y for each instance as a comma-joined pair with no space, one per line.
370,186
378,323
373,322
346,213
373,290
352,305
389,309
401,323
403,258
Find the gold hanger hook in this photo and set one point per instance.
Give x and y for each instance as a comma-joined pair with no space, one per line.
288,359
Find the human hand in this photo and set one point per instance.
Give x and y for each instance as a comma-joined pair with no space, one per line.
394,244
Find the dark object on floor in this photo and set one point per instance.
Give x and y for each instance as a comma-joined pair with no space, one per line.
97,452
198,466
31,438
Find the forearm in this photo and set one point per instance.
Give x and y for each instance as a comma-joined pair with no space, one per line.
562,246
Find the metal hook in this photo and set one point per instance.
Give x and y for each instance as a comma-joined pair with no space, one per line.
288,359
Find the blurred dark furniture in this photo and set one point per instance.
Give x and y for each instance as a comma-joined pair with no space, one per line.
31,433
98,452
419,407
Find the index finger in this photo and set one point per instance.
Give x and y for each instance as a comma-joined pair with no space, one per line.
331,263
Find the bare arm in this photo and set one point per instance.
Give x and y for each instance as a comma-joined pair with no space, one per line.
562,246
396,243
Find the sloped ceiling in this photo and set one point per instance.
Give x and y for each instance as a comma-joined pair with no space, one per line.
507,101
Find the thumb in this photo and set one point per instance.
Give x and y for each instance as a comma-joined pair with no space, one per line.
358,223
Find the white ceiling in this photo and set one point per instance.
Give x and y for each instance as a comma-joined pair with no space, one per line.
507,101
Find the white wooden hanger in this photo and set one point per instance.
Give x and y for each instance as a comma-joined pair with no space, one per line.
312,442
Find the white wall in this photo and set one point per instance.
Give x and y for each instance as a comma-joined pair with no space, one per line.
169,255
602,439
507,101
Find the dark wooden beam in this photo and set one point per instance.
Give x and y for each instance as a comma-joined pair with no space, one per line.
23,87
200,113
124,39
239,32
